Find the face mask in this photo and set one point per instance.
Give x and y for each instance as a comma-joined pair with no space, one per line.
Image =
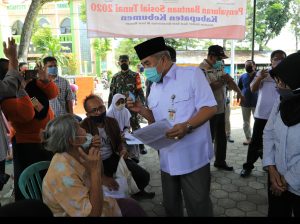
99,119
124,67
249,69
287,94
88,141
151,73
218,64
276,63
53,70
120,107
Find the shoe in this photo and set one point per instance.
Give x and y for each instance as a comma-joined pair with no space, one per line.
144,195
230,139
245,173
143,149
224,167
247,142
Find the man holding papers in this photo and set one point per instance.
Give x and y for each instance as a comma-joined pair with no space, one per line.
183,96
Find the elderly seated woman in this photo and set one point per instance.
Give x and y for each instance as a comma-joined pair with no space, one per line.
281,141
72,185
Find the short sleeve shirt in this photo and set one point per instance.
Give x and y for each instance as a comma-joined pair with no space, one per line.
214,75
59,104
66,189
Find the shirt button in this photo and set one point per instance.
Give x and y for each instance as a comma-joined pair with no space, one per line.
164,89
180,98
164,104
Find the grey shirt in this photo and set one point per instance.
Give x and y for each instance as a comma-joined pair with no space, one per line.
9,87
106,148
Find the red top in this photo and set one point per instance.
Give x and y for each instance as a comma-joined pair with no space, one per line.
20,113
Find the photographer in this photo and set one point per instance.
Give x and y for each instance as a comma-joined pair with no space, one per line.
10,82
28,113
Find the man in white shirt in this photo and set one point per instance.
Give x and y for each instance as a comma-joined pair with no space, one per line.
183,96
265,85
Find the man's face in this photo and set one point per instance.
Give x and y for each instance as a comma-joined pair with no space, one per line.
214,59
94,107
24,67
51,64
278,56
124,62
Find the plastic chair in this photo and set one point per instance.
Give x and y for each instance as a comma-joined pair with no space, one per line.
28,174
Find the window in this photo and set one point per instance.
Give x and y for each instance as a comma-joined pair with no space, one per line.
65,27
43,21
16,28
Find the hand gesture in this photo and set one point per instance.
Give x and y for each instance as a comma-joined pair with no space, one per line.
93,159
124,153
275,191
241,98
110,183
124,139
24,83
263,74
178,130
10,51
276,180
42,72
136,107
96,142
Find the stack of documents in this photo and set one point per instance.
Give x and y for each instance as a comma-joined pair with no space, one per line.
154,135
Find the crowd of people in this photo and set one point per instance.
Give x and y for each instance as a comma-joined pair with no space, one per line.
84,154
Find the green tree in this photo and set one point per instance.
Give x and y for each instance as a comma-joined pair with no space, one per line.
101,47
48,45
295,23
271,17
82,14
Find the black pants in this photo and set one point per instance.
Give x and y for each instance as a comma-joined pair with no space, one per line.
139,174
218,135
256,143
2,171
24,155
283,205
26,208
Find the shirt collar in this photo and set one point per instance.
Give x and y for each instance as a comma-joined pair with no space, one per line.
172,72
78,167
207,65
56,78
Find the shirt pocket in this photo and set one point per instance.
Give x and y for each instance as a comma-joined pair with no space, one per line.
153,104
183,103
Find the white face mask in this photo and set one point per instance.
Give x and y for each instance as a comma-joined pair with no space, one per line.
120,107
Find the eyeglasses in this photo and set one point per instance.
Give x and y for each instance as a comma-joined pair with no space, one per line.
277,59
101,109
279,82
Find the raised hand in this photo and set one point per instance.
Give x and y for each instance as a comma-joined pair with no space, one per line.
96,142
10,51
136,107
42,72
93,159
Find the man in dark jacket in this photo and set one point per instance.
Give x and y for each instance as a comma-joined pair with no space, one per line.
112,148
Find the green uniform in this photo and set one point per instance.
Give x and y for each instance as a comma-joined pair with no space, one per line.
122,83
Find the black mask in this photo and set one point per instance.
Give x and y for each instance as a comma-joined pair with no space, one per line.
249,69
99,119
124,67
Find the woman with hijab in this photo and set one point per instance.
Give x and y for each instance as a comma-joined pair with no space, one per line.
28,113
281,148
118,111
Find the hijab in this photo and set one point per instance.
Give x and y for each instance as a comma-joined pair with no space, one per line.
289,72
122,116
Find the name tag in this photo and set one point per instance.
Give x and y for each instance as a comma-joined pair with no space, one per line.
171,113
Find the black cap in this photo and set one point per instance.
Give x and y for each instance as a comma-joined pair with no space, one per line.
217,50
123,58
150,47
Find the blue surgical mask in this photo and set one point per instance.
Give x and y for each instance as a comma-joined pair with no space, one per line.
152,75
53,70
218,64
88,141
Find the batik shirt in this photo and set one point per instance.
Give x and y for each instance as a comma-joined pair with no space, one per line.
66,188
122,83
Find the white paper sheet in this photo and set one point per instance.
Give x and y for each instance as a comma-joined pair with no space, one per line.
133,140
154,135
121,193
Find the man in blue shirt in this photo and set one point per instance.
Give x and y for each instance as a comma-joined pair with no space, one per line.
251,98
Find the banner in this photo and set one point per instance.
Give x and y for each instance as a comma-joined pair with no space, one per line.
204,19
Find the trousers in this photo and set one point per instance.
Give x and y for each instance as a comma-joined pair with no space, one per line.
227,120
283,205
139,174
195,187
256,143
246,112
218,135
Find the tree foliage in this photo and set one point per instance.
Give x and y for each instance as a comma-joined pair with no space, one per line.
295,23
73,63
271,17
101,47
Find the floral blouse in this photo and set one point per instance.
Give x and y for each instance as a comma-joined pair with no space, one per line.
66,189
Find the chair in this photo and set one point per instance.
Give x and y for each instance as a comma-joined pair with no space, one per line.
28,174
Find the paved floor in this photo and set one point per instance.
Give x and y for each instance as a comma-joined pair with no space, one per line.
231,195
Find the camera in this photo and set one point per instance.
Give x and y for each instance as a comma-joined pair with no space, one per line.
31,74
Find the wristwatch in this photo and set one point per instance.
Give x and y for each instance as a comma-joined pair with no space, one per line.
190,128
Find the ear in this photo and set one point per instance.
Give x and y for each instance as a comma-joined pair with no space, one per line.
71,141
119,63
175,60
88,116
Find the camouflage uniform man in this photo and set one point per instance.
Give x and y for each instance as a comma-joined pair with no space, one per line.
124,81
